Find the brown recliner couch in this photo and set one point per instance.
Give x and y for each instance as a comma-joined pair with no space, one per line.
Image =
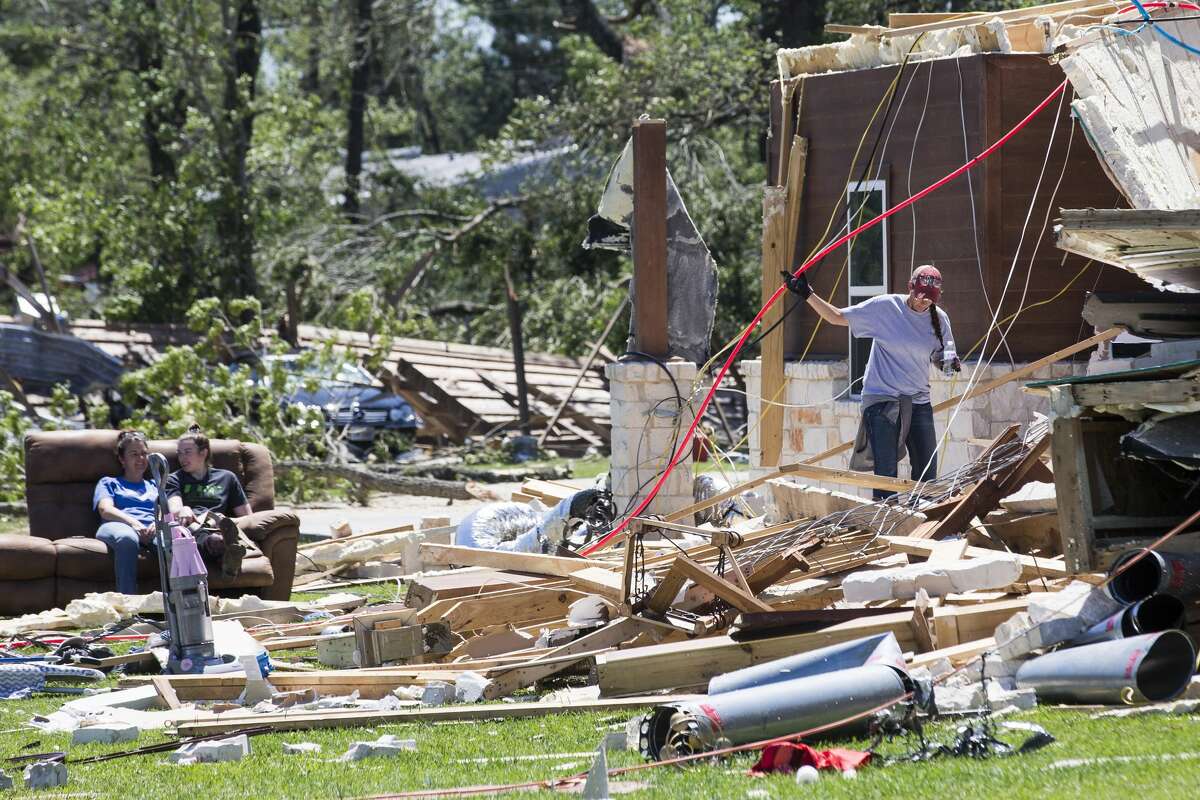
62,560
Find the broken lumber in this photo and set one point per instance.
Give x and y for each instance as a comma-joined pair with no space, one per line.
690,665
303,720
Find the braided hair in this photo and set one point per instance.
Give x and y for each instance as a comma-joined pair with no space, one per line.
936,322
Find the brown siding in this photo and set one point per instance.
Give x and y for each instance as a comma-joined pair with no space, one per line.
836,109
1017,84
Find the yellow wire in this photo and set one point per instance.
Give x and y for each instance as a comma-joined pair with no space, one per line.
1020,311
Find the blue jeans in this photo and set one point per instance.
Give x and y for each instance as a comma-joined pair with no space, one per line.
124,545
885,443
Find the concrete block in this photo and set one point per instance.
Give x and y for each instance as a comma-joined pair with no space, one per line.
108,733
1000,697
301,748
469,687
216,751
625,391
938,580
1032,498
384,747
1040,636
814,441
1078,599
45,775
437,694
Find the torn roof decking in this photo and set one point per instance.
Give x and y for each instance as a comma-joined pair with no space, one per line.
1161,247
464,386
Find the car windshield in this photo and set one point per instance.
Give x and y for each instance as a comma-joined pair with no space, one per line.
346,374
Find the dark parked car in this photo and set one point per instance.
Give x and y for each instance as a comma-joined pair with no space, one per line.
350,398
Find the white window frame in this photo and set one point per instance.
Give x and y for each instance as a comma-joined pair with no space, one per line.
854,293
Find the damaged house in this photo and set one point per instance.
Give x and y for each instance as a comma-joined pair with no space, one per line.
885,114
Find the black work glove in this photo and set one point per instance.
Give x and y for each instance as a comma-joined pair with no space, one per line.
797,284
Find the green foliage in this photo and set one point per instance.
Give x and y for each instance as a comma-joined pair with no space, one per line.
13,427
244,400
184,149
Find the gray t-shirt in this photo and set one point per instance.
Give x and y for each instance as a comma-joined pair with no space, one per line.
903,347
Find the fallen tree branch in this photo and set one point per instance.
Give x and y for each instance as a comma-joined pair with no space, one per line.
369,480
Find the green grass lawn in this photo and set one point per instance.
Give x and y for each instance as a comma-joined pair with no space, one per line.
444,751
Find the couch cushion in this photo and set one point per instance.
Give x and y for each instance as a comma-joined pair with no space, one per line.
88,559
26,557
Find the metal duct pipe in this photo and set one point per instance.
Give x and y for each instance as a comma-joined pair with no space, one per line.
1140,669
1157,573
770,710
1162,612
881,648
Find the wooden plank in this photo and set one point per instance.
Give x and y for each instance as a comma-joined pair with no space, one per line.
731,593
1010,16
294,720
850,478
499,559
650,298
957,655
519,607
520,676
694,663
772,385
664,593
166,692
1135,392
1072,487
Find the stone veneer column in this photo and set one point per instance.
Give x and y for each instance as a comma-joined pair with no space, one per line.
644,412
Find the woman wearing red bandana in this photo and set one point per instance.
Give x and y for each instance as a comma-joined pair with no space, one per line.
908,333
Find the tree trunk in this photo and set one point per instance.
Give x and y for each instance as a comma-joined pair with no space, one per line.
360,73
237,223
392,484
149,58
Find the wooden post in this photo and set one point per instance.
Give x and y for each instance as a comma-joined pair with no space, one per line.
518,348
650,236
774,260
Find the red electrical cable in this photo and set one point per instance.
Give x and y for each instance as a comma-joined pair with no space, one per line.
1187,6
687,439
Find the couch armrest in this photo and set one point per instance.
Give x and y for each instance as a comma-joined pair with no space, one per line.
276,533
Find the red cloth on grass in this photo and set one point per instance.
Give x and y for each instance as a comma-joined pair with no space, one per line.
790,756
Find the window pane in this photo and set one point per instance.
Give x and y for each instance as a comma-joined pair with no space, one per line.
860,350
866,249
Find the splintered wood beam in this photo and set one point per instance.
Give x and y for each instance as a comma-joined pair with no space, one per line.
650,298
986,495
779,566
663,594
735,595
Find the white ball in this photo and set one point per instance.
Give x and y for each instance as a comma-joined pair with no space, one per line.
807,774
850,774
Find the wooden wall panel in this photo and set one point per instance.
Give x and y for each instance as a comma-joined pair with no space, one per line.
997,91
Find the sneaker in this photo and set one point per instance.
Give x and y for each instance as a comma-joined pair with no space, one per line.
235,551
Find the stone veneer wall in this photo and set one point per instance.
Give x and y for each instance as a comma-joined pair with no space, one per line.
643,408
825,423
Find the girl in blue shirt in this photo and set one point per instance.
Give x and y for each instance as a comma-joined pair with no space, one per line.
126,505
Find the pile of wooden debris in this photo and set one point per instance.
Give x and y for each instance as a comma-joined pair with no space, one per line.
962,573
